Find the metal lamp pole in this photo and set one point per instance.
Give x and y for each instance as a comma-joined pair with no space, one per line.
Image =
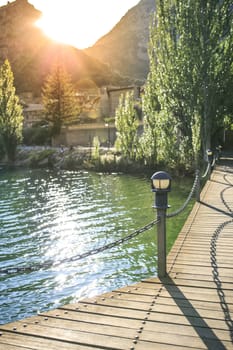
210,158
161,185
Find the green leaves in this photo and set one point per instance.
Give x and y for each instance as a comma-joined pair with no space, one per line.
11,115
127,126
190,76
59,99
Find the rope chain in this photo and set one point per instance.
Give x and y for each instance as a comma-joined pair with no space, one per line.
178,211
207,171
49,264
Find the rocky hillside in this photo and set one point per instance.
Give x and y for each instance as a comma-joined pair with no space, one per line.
118,58
124,49
32,54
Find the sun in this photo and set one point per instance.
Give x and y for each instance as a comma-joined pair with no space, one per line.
75,24
80,23
63,26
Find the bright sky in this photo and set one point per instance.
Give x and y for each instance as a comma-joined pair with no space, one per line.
79,22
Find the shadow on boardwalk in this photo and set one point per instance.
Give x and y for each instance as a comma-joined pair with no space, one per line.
203,330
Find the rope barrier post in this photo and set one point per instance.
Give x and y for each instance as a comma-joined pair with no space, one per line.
198,185
210,158
161,185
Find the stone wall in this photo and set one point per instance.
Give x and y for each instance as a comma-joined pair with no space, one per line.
83,135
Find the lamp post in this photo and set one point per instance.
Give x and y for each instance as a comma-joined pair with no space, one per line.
218,152
161,185
209,156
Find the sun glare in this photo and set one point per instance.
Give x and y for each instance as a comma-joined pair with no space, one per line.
80,23
64,26
77,22
71,26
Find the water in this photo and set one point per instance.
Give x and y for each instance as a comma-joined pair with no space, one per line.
46,215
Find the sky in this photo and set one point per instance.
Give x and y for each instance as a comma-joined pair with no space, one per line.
79,22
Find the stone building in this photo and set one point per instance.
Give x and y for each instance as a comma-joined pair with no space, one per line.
33,114
110,97
99,105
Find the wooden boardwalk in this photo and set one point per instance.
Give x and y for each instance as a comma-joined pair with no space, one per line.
192,308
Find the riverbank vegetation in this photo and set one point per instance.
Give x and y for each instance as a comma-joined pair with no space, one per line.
11,114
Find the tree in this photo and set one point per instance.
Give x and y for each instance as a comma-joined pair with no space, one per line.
191,55
59,99
151,107
11,114
127,126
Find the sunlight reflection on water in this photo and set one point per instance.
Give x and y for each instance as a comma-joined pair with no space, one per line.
51,216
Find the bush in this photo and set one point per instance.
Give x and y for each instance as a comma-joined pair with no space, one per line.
37,135
2,150
41,158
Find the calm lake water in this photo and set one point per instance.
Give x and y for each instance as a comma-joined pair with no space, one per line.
51,216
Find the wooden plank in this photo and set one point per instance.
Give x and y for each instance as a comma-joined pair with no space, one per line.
107,310
199,269
77,325
194,283
166,346
175,328
70,336
24,342
167,300
183,340
125,304
155,306
199,277
12,347
142,345
92,318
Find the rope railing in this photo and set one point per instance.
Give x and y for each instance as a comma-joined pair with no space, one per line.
195,186
51,264
183,207
207,171
214,161
213,158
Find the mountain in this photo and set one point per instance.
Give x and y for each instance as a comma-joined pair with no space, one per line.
32,54
124,48
118,58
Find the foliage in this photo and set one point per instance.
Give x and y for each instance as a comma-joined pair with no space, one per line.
87,107
41,158
188,94
37,135
2,151
126,122
11,117
59,99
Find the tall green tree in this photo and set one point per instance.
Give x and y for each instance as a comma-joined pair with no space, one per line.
191,53
59,99
126,122
11,114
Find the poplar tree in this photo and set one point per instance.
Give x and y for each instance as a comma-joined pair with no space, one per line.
59,99
126,122
11,114
191,53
